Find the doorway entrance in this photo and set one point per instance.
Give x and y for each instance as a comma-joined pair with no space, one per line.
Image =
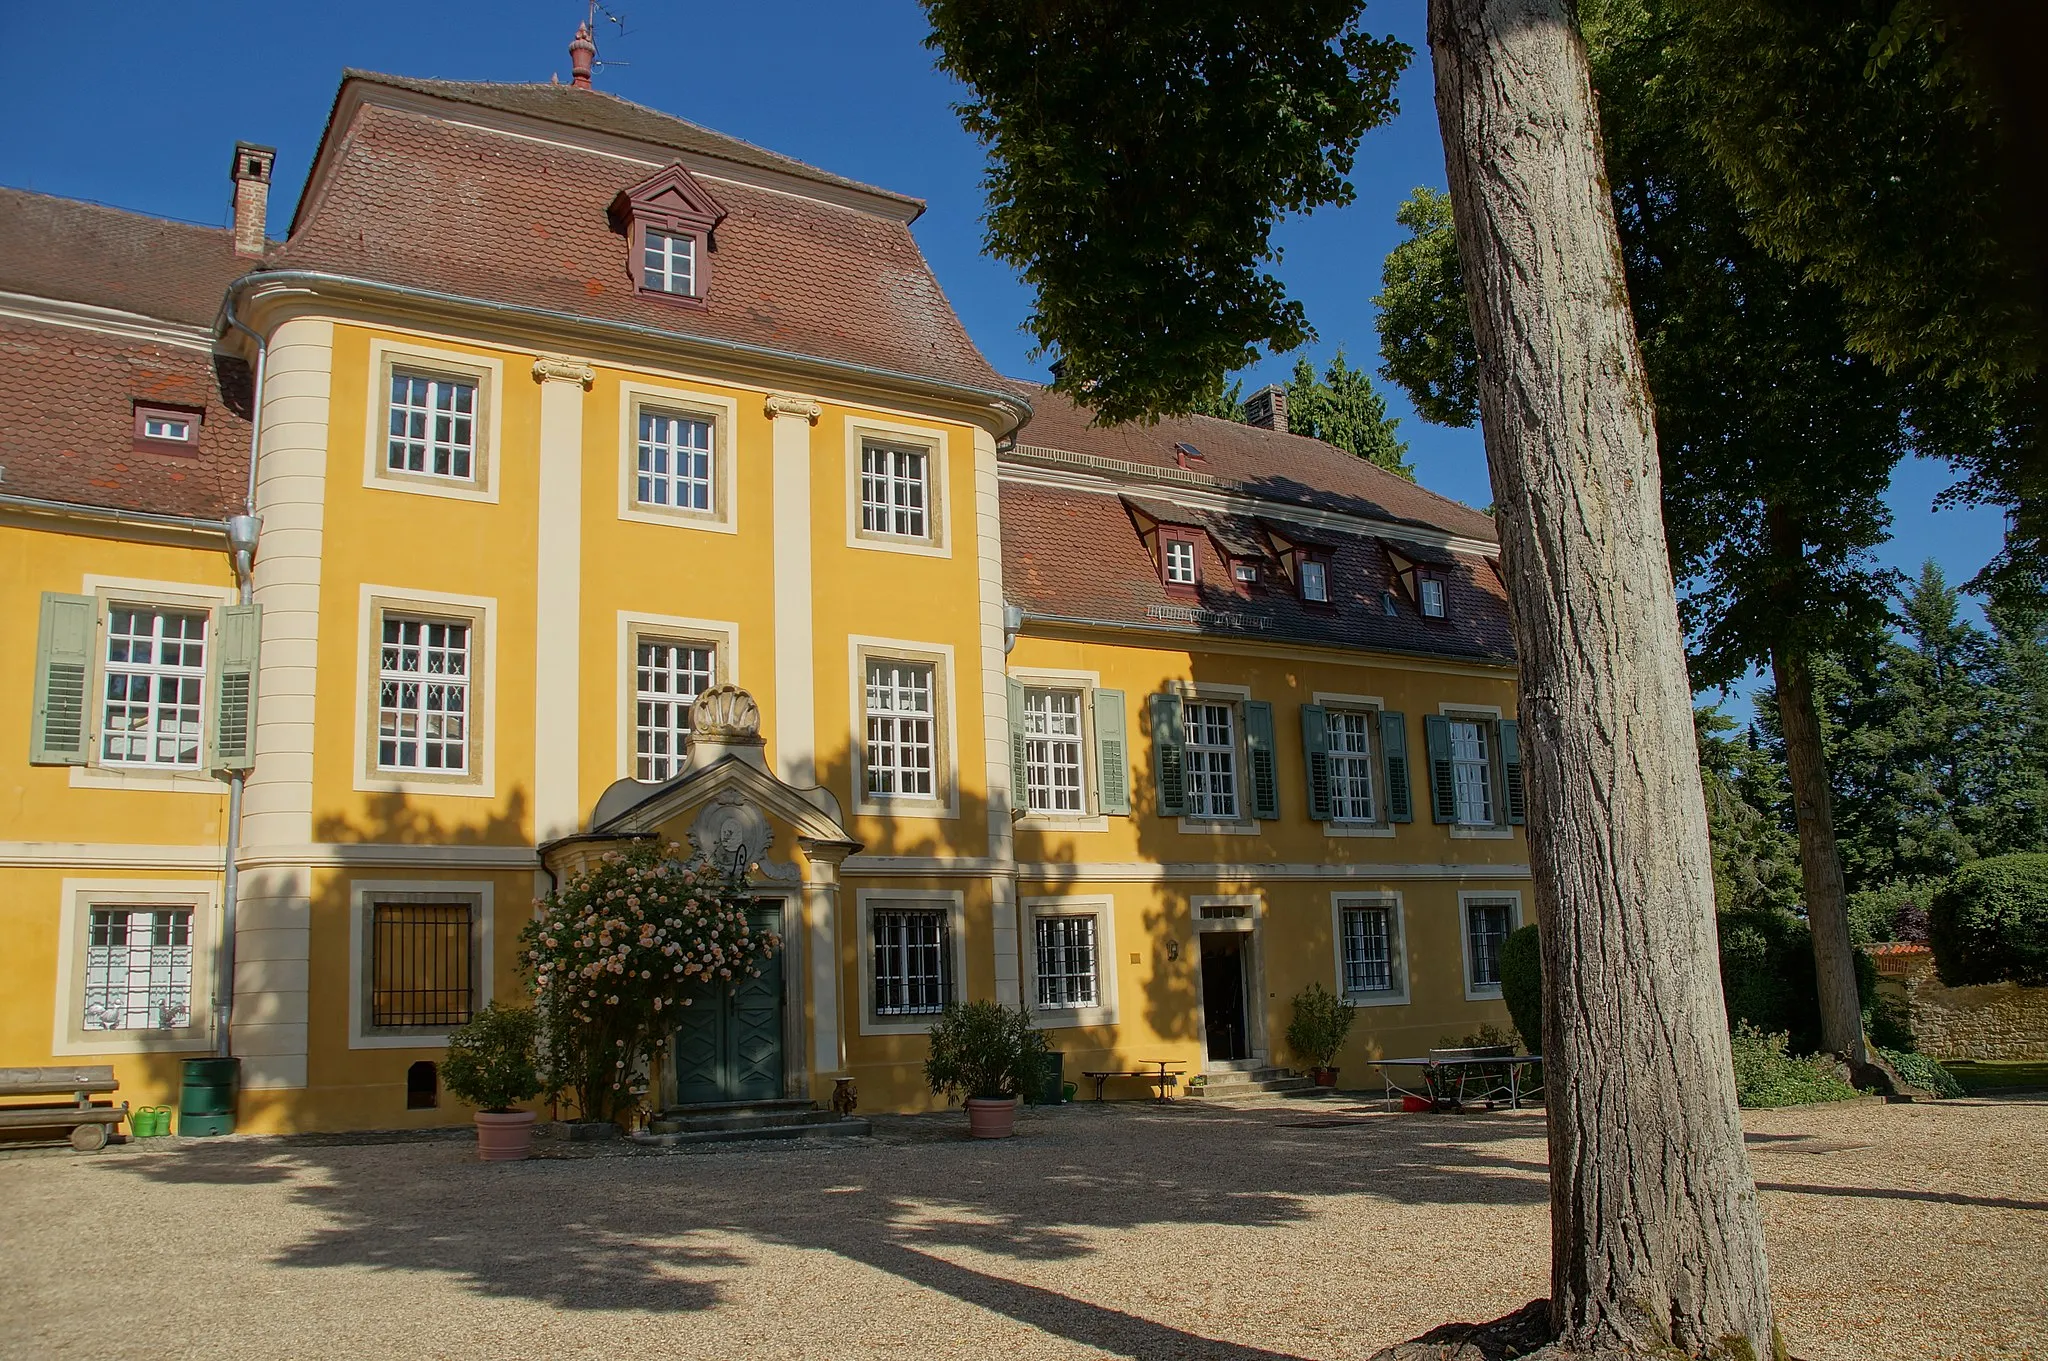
1224,1015
729,1045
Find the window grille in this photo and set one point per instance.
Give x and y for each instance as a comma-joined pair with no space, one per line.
433,426
674,462
1218,912
420,965
138,968
667,681
1211,765
1470,781
913,968
1180,562
894,490
1350,744
900,756
1052,751
1368,949
156,680
669,263
1066,962
423,696
1487,925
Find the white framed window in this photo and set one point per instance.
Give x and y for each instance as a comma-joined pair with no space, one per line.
675,462
177,429
432,425
1211,759
668,263
423,695
1180,562
1350,751
1246,572
135,967
419,959
668,675
138,969
1315,581
1488,920
1067,961
1070,960
913,961
1471,774
1054,774
1432,591
902,753
153,687
895,490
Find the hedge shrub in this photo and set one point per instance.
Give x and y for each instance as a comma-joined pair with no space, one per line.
1768,980
1923,1072
1766,1073
1894,911
1989,922
1521,984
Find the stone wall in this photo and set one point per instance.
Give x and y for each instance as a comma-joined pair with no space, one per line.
1989,1021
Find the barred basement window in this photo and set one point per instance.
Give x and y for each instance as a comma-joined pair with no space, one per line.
433,426
1350,765
895,486
1486,926
1052,751
1368,949
900,755
138,969
155,683
674,462
667,680
423,696
913,965
1066,962
421,969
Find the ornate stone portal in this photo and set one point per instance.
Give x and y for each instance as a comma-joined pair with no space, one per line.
732,835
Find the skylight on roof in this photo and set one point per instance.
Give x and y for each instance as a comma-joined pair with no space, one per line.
1185,453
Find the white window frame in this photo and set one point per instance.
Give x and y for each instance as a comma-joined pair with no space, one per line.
1091,818
1318,571
1231,748
1236,697
666,270
1488,716
1182,568
426,638
1467,899
486,371
722,413
1103,909
1342,902
944,800
720,635
481,613
1346,760
158,426
932,441
192,681
1372,706
188,597
363,895
77,897
1048,743
869,901
1425,596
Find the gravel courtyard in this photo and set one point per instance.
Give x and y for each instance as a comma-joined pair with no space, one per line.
1290,1229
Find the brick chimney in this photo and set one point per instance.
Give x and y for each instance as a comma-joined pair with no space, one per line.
251,174
1267,408
582,53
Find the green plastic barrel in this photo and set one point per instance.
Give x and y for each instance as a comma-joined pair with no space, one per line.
1053,1090
206,1100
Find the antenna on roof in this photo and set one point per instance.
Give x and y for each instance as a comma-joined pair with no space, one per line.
618,22
583,51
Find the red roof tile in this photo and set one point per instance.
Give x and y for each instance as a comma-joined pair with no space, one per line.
108,257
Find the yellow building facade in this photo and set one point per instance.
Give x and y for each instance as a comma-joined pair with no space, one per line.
558,414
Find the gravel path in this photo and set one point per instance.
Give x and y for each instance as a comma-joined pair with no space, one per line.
1292,1229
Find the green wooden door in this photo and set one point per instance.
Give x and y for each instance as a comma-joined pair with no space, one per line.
729,1045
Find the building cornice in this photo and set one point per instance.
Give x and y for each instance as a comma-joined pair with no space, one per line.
108,321
139,526
1080,628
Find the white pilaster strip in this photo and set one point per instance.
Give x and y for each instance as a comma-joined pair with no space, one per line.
995,710
557,654
796,710
821,918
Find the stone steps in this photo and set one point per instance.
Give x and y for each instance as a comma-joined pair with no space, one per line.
1239,1081
731,1122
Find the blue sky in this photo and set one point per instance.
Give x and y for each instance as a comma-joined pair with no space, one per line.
139,105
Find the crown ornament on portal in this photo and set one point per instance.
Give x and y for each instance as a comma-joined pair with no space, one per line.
727,715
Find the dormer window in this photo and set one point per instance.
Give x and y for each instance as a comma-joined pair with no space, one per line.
1432,589
668,263
1180,562
670,223
1315,581
166,430
1246,572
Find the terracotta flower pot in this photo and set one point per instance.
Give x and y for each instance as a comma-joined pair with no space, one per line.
989,1118
1325,1077
504,1136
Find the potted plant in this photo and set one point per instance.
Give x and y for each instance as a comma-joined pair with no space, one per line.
990,1055
490,1065
1321,1022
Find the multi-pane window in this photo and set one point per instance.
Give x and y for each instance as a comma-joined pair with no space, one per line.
1315,581
1180,562
1211,760
420,964
667,679
1368,948
156,680
894,490
1350,743
1066,962
1486,926
138,968
1471,782
669,263
423,680
900,755
1052,750
178,428
433,426
1433,597
913,966
674,462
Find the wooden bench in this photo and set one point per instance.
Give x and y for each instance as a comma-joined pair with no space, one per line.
1165,1082
89,1121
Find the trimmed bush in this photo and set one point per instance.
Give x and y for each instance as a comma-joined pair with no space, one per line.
1989,922
1521,984
985,1050
490,1062
1923,1072
1767,975
1321,1022
1766,1073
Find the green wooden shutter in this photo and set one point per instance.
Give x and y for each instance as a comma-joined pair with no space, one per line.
1394,751
1169,739
1315,754
1112,754
1511,771
1258,740
58,731
1443,795
1020,784
234,687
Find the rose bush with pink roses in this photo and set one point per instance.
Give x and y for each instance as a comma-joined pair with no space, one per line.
613,954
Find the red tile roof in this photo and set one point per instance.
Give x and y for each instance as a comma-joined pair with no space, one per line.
108,257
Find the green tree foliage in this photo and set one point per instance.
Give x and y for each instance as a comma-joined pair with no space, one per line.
1141,155
1223,400
1990,922
1342,408
1756,859
1425,333
1768,979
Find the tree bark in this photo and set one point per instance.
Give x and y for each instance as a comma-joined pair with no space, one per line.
1655,1234
1820,863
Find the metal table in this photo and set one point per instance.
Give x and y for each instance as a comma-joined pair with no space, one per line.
1448,1079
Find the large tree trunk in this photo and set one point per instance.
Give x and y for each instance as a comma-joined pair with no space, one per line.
1655,1233
1820,863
